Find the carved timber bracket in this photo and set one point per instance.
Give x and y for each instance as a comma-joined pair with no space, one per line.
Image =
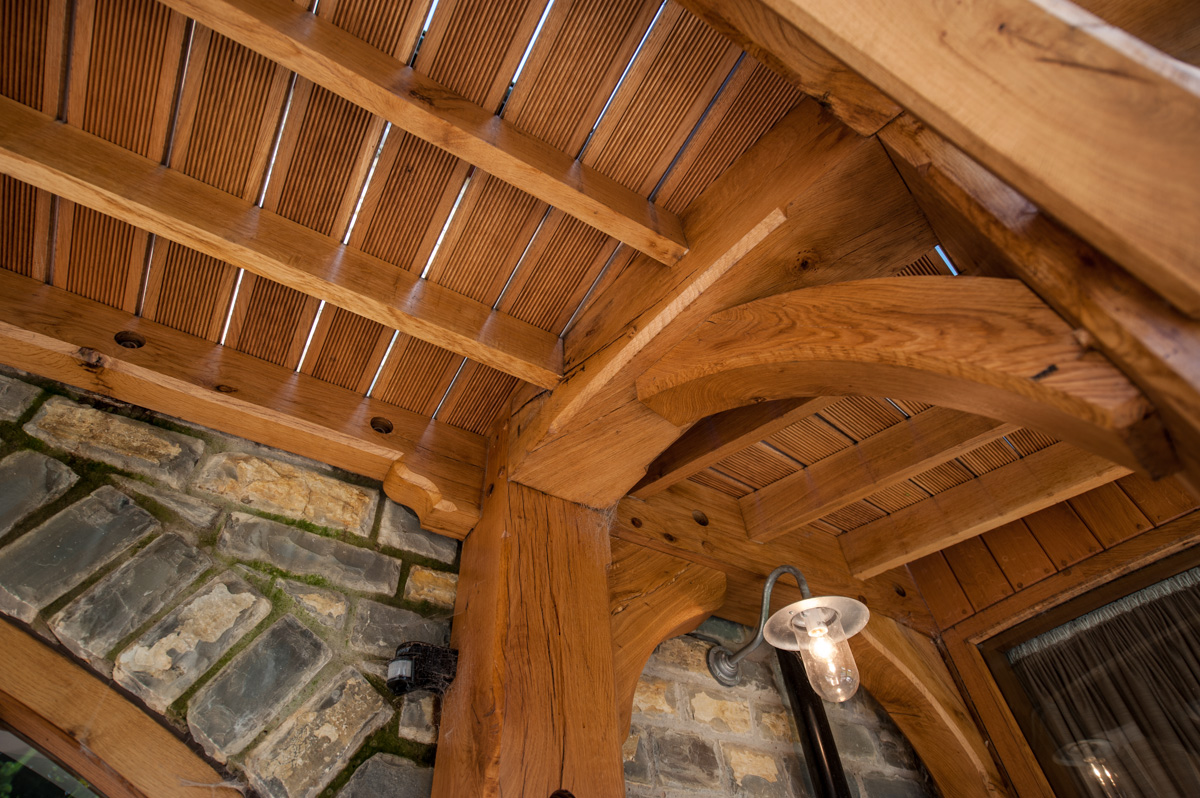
653,596
983,345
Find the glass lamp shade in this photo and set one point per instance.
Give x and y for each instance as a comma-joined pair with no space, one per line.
819,629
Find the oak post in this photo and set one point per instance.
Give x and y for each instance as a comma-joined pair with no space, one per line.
532,709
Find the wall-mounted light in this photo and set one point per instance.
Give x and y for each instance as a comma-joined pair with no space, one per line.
819,628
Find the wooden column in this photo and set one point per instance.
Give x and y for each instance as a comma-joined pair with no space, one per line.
532,709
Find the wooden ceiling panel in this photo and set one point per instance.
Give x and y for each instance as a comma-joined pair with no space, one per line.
389,25
678,72
416,375
750,104
1027,441
23,234
944,477
809,440
125,66
31,52
898,496
988,457
270,321
231,102
910,406
717,480
99,257
758,466
477,397
474,46
346,349
862,416
579,56
852,516
929,264
562,263
188,290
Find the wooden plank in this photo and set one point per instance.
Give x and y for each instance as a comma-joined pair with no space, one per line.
940,589
894,455
347,66
1065,539
1110,515
976,344
713,439
652,597
1040,92
65,337
978,572
1159,500
1172,26
1019,554
82,168
992,500
92,727
904,672
532,708
703,526
989,228
789,52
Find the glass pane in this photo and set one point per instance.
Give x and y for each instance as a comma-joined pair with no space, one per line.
26,773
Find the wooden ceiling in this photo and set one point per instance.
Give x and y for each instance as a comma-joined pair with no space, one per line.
351,233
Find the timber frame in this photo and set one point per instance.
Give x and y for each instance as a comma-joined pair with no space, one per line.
671,317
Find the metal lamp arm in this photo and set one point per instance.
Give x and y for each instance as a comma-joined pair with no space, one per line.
722,663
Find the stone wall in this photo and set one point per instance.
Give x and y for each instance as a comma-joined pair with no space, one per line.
693,737
249,597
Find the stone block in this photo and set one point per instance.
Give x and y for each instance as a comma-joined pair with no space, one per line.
683,653
654,696
419,717
199,514
329,607
896,751
67,549
121,442
378,629
118,604
389,776
884,787
228,712
685,760
722,711
274,486
248,537
775,724
168,659
29,480
312,746
853,742
434,587
400,528
636,754
15,397
754,772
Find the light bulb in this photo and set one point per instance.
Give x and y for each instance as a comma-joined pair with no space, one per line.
827,658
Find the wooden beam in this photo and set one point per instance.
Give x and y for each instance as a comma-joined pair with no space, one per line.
981,345
349,67
1010,492
988,228
702,526
65,337
904,672
532,709
653,596
93,729
895,454
85,169
807,65
1042,93
713,439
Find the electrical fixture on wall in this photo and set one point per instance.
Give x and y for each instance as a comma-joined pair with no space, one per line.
819,628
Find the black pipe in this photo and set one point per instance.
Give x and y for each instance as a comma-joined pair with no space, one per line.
816,738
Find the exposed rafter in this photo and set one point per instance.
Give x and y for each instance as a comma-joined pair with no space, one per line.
378,82
899,452
975,344
1043,94
65,337
85,169
1010,492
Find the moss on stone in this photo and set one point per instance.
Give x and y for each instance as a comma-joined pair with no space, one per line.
383,741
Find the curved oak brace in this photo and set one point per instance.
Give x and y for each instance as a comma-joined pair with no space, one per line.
653,596
904,672
983,345
409,482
